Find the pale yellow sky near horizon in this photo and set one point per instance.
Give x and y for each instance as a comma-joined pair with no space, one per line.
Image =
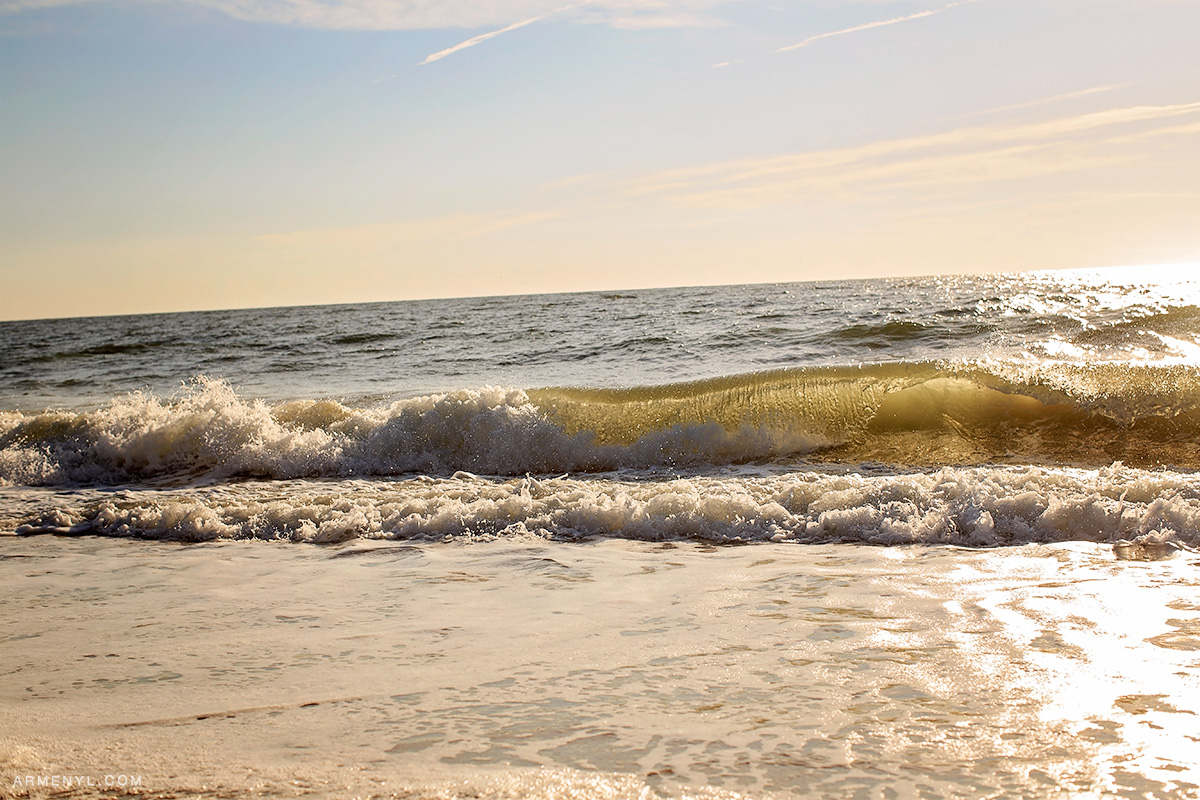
891,143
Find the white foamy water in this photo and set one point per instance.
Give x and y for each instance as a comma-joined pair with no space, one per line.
883,539
976,507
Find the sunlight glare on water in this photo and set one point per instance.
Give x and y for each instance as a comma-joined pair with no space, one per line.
1111,653
815,672
614,544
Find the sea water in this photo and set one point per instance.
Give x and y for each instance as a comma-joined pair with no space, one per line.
895,538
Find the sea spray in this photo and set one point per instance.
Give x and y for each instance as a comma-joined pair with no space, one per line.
912,414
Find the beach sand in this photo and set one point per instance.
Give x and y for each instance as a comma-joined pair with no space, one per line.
609,669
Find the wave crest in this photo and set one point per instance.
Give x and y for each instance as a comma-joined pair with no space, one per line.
212,433
916,414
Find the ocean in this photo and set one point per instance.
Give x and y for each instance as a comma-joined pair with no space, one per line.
920,537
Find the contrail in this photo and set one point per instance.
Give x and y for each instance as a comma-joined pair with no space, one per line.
483,37
870,25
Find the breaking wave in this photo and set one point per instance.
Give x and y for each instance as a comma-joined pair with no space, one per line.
974,507
912,414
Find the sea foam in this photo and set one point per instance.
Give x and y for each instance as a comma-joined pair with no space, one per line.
209,431
913,414
974,507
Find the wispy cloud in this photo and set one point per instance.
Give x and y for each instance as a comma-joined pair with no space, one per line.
483,37
1189,129
951,158
654,18
1041,101
425,14
868,26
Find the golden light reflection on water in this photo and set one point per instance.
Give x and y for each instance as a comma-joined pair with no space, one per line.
1113,659
1139,315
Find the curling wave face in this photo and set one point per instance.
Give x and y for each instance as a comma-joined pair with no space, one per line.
909,414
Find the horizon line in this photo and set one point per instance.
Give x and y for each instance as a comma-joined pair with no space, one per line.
1017,271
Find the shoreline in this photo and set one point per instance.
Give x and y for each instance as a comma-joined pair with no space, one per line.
243,669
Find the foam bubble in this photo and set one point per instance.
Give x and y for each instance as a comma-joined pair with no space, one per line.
973,507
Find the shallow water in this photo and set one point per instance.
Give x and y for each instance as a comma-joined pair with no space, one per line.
815,671
881,539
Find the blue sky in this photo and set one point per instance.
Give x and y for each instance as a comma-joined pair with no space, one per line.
162,155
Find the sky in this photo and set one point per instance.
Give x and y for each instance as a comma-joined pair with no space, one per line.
163,155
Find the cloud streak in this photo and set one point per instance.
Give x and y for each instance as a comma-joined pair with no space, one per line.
937,161
483,37
1047,100
870,25
422,14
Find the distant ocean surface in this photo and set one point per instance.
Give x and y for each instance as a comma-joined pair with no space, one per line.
540,495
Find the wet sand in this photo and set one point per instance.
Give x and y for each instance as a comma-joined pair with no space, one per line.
611,669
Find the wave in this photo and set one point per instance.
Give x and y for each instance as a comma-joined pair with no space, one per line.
1165,334
920,414
914,414
974,507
